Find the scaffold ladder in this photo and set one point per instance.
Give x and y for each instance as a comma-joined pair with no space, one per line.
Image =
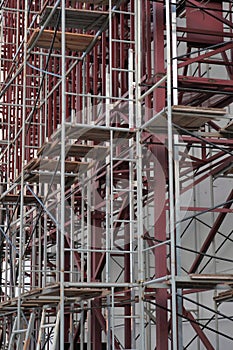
43,326
16,334
118,39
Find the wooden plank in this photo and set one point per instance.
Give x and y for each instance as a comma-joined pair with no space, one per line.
224,296
50,178
202,281
51,295
76,18
95,2
192,118
96,134
187,117
32,164
191,123
199,110
52,165
230,170
75,150
74,41
227,131
47,149
212,277
74,292
43,164
14,198
47,177
229,127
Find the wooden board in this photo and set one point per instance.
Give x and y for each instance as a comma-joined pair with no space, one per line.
95,2
212,277
227,131
192,118
202,281
76,18
52,165
48,171
224,296
51,295
229,127
14,198
94,133
73,292
74,41
50,178
52,149
186,117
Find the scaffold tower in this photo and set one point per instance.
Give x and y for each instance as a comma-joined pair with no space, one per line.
116,169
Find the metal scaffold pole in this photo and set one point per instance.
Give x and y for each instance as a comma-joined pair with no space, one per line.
22,214
171,177
63,148
116,127
141,266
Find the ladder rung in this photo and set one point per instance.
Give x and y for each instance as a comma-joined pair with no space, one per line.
125,221
116,191
120,316
123,41
19,331
123,70
125,159
35,123
48,325
124,12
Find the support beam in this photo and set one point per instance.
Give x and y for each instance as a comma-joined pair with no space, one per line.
159,151
198,330
211,235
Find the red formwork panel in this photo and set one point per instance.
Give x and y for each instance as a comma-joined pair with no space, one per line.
203,21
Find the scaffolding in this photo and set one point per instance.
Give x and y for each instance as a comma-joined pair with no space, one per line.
116,174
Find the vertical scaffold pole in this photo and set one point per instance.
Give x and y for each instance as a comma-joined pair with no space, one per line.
23,133
131,194
63,136
178,239
139,171
174,54
171,177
